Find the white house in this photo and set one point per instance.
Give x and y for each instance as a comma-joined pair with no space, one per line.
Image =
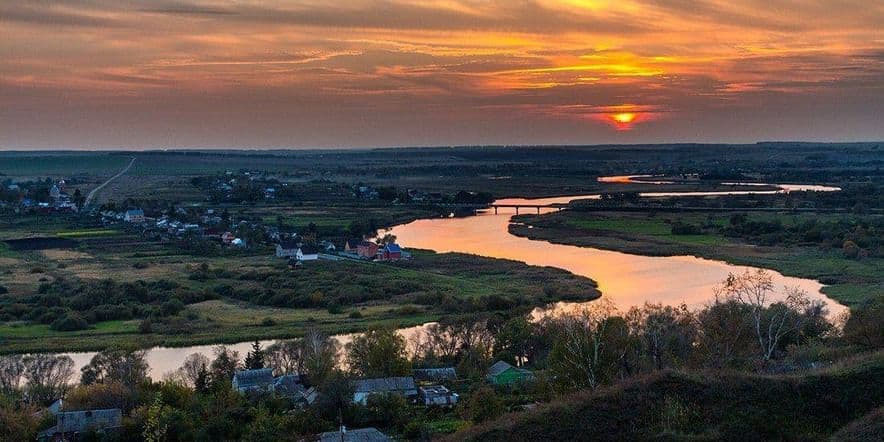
134,216
307,253
287,249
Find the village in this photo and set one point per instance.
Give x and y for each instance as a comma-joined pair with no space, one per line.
425,390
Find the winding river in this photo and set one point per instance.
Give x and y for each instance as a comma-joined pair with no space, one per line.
627,279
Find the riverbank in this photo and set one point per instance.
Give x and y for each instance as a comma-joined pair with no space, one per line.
262,298
849,281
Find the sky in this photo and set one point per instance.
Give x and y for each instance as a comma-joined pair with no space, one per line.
146,74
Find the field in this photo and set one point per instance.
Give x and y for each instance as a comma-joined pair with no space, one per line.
248,294
403,294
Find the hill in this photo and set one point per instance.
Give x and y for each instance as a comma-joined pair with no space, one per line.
673,405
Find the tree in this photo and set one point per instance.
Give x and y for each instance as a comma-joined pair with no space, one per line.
724,338
255,358
11,369
664,334
287,357
583,355
388,238
129,368
481,405
224,365
47,376
195,365
379,352
771,323
514,342
155,426
320,357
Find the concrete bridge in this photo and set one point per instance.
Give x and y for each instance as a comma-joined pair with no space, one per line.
524,207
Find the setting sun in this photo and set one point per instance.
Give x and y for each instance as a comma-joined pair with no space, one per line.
624,117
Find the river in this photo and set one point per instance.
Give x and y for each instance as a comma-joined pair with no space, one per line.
626,279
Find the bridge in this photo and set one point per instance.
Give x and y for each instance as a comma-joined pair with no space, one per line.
476,207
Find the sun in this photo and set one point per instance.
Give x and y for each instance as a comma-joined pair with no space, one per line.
623,117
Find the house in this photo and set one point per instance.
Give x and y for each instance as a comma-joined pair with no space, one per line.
327,246
71,424
502,373
391,252
290,386
367,249
247,381
287,248
434,374
134,216
359,435
351,246
54,192
403,386
307,253
438,396
238,242
261,380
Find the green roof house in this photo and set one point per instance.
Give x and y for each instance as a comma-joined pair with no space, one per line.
502,373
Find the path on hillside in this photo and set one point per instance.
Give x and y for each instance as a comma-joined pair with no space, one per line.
91,194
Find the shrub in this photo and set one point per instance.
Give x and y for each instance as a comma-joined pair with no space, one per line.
268,322
69,322
355,314
140,265
3,290
335,309
145,327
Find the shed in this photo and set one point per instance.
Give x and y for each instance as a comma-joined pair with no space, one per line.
403,385
435,374
502,373
358,435
69,424
246,381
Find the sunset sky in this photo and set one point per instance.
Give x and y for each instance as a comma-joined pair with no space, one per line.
109,74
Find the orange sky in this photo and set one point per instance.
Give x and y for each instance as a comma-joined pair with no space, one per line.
144,74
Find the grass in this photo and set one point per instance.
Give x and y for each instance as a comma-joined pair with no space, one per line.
848,281
87,233
712,406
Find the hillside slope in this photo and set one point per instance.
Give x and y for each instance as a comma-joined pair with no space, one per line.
704,406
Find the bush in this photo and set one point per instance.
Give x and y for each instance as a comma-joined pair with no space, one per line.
145,327
268,322
3,290
355,314
483,404
140,265
680,228
335,309
69,322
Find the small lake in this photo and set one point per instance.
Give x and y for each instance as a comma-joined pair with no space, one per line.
626,279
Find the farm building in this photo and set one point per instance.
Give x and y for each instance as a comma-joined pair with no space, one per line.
70,425
134,216
403,386
502,373
367,249
435,374
307,253
287,249
391,252
438,396
357,435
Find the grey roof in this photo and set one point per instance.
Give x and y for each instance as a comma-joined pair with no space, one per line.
435,374
86,420
289,244
498,368
358,435
384,385
309,250
135,212
249,379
